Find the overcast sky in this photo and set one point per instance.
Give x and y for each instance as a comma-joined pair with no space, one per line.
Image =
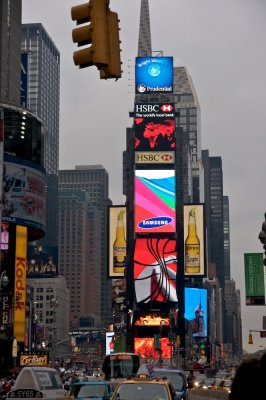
222,44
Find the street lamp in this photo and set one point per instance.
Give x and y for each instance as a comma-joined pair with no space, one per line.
4,279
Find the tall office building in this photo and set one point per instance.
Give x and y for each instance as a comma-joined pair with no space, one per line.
80,253
227,269
10,62
94,180
41,61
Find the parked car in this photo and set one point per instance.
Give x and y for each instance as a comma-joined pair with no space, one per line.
91,389
37,382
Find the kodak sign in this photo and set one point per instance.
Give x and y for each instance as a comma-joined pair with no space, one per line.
20,283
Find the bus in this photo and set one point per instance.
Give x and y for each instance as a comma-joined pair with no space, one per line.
120,365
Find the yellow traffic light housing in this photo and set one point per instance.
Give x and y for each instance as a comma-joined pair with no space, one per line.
250,339
178,341
113,69
94,34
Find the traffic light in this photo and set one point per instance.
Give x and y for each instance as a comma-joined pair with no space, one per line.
94,34
157,344
113,69
250,339
178,341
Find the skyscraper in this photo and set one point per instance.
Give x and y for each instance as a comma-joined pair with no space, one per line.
43,79
10,62
80,253
94,180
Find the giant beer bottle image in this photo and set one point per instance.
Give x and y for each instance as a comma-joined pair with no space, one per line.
120,245
192,246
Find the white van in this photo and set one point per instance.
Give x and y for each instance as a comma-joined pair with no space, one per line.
36,383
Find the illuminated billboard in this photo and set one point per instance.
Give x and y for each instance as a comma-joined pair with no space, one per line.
109,343
155,270
155,201
154,110
254,279
154,157
194,243
117,241
144,347
24,190
154,134
196,311
154,74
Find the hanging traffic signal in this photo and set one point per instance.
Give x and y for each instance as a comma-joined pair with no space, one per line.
178,341
113,69
250,339
93,34
157,343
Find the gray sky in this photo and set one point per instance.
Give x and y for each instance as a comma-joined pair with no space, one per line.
222,44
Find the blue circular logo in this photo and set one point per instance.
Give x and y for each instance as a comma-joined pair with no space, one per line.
154,70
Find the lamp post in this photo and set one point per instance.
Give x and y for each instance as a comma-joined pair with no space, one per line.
3,279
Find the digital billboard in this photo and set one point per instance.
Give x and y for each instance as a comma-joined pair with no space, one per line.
155,201
155,270
154,110
145,348
109,343
154,157
24,190
254,279
196,311
154,134
154,74
194,240
117,241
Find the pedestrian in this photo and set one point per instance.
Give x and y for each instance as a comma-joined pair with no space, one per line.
249,380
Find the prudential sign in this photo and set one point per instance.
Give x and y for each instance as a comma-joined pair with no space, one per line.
154,74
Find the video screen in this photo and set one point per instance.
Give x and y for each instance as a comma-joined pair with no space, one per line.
154,134
155,201
145,348
155,270
196,311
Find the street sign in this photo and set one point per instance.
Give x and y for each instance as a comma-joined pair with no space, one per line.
263,334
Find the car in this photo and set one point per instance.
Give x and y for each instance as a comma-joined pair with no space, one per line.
225,385
37,382
178,379
91,389
144,388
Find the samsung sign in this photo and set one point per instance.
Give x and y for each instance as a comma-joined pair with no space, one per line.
163,110
154,74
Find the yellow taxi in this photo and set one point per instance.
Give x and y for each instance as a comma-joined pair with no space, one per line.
144,388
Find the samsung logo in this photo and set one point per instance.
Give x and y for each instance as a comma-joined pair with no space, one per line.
155,222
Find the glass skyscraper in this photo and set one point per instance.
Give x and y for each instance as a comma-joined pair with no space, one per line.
42,98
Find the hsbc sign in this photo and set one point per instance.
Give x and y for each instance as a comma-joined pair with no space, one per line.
156,157
163,110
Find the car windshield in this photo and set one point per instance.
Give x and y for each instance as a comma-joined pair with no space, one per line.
79,391
174,377
141,391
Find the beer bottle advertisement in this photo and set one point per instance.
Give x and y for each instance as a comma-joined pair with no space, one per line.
117,241
194,240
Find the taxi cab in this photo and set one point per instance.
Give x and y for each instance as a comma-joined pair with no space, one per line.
37,383
144,388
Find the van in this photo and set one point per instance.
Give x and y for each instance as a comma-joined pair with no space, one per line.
37,382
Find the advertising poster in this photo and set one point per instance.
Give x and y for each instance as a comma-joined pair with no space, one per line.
155,270
155,201
194,240
196,311
109,344
254,279
24,194
154,134
154,74
117,241
144,347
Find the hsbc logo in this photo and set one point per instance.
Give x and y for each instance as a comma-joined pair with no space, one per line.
167,108
156,157
154,110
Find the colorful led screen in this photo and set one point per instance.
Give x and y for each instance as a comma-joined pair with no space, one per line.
145,348
155,201
154,74
117,241
196,311
154,134
155,270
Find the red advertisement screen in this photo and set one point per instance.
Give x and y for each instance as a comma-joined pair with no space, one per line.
154,134
155,270
145,348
